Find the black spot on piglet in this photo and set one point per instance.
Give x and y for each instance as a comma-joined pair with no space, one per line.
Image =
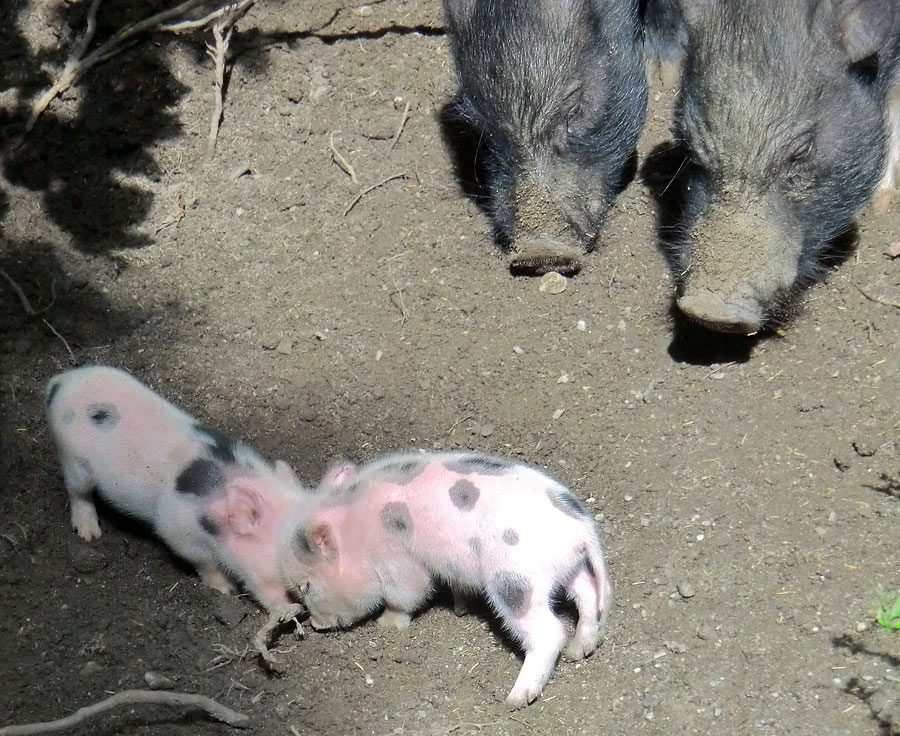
51,392
510,536
220,444
513,590
464,495
105,416
301,546
201,477
210,526
478,464
567,503
402,472
396,519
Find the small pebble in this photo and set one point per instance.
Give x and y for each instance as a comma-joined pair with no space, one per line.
237,172
558,413
486,430
581,325
90,668
285,346
675,647
518,350
704,632
553,283
651,700
157,681
685,589
861,626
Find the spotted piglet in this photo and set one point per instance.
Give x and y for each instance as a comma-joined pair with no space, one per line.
384,533
215,502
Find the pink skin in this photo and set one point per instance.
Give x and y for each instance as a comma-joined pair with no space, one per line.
116,435
510,532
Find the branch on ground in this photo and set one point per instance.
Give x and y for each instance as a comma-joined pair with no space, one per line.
212,708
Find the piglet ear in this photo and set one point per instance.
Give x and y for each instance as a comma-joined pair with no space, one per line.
245,509
337,475
865,27
322,540
285,473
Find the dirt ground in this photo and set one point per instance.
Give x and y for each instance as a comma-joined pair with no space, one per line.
749,489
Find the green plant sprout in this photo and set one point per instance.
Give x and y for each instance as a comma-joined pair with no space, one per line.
888,614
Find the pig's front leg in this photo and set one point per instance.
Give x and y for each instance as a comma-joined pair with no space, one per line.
79,482
405,591
394,618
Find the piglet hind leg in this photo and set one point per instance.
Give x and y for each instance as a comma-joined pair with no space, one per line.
80,485
583,590
527,613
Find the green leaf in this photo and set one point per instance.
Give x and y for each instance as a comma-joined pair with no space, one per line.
888,614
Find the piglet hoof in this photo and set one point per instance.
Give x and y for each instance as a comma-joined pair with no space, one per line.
396,619
85,523
577,650
520,697
460,602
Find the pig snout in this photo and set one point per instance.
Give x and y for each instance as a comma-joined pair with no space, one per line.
742,266
722,312
535,256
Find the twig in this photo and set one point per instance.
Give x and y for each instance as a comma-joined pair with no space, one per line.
341,161
211,707
400,127
612,278
365,191
218,55
17,290
53,330
279,615
877,299
236,10
79,62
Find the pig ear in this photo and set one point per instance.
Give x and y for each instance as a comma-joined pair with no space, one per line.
245,509
321,539
337,475
285,473
864,26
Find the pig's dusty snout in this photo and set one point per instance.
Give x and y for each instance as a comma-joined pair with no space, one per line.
535,256
723,313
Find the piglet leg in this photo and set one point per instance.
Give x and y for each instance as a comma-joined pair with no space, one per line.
542,635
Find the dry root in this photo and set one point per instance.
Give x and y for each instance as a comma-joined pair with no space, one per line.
278,616
222,20
212,708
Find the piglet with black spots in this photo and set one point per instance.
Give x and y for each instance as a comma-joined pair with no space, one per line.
383,534
214,502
